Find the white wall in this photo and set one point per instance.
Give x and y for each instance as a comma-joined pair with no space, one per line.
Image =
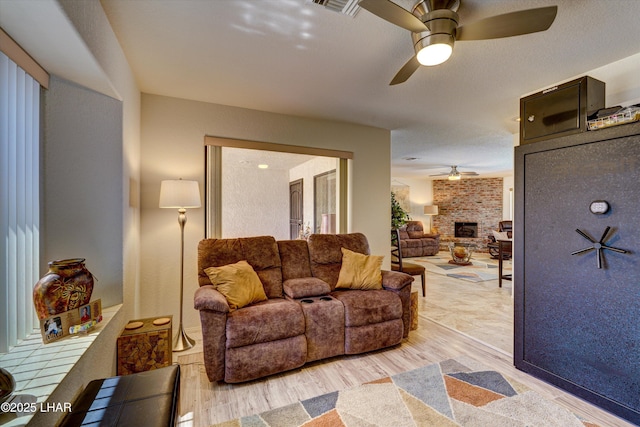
82,157
622,86
507,202
420,194
255,201
173,133
90,22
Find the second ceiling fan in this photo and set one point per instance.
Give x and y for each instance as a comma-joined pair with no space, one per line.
434,28
454,174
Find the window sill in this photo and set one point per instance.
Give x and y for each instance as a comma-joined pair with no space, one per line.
38,369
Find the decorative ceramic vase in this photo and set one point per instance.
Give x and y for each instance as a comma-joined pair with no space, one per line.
67,285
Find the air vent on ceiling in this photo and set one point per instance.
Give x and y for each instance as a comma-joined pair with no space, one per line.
347,7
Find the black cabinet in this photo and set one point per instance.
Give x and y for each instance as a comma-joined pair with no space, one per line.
576,325
560,110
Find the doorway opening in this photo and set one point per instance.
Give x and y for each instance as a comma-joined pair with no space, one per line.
296,208
255,188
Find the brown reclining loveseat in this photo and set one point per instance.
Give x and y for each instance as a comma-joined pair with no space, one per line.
414,242
304,318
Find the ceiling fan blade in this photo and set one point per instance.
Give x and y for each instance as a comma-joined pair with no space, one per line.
389,11
406,71
469,173
509,24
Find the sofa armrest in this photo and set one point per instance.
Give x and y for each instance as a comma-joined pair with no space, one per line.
213,309
400,284
305,287
432,236
395,280
207,298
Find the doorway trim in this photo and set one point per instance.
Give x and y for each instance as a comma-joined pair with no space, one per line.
213,176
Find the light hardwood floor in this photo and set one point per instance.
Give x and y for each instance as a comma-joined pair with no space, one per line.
203,403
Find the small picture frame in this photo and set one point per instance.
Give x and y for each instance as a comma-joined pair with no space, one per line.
71,322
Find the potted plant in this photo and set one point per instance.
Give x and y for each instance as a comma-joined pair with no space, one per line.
399,216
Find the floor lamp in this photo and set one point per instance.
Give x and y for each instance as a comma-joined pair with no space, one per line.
180,194
431,210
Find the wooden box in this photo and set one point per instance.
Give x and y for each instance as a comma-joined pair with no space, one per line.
145,344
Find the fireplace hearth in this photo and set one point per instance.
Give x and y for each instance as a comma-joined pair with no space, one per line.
466,229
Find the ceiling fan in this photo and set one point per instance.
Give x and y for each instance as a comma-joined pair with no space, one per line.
454,174
434,28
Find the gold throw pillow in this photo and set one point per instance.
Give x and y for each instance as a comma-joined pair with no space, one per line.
238,282
360,271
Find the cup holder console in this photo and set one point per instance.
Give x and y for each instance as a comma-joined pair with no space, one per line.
311,301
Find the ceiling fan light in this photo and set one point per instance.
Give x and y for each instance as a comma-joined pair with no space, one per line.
434,49
434,54
454,177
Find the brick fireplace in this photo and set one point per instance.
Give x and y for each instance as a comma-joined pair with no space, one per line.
475,204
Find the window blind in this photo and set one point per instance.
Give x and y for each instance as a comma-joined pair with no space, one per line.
19,201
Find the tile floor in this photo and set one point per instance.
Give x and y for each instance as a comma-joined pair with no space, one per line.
480,310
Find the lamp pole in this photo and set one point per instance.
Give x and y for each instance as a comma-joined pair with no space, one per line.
181,194
182,341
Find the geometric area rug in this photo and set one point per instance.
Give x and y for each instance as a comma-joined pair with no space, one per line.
456,392
478,271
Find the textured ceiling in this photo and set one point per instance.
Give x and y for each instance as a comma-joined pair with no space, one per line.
295,57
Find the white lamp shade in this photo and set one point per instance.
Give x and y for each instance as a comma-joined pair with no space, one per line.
431,210
178,193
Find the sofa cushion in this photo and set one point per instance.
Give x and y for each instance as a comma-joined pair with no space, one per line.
260,252
259,360
360,271
265,321
415,227
294,256
326,255
366,308
238,282
411,243
305,287
361,339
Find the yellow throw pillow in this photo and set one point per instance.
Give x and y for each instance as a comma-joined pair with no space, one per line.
238,282
360,271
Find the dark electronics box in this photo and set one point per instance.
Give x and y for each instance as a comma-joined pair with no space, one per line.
560,110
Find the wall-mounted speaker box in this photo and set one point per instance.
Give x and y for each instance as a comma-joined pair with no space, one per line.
560,110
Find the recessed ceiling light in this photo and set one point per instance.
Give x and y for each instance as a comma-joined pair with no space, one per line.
410,159
263,166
